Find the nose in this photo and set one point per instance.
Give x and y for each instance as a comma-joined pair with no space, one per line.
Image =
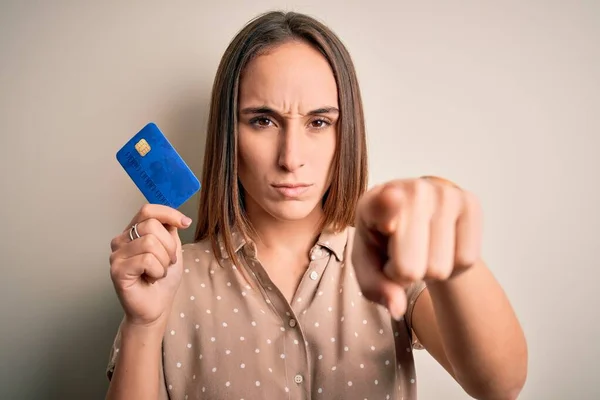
292,148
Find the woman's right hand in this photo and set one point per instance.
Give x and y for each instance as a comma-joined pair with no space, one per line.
146,271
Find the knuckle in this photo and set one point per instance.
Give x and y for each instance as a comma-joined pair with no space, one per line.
150,242
114,270
409,274
114,243
146,211
450,197
446,273
465,260
153,224
438,273
147,259
472,203
422,189
151,227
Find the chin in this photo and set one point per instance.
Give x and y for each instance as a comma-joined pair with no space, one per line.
291,210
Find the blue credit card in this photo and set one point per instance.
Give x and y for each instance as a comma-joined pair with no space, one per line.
157,169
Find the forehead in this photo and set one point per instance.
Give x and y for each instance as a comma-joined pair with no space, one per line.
293,74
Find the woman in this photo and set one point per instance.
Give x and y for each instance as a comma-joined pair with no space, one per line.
302,284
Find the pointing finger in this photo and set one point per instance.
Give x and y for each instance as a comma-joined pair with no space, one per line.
379,208
374,285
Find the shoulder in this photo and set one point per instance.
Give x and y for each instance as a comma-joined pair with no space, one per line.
198,254
196,286
198,260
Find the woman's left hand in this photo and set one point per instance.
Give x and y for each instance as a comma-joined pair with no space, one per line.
412,230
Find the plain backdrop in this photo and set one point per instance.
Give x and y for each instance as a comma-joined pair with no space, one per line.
502,97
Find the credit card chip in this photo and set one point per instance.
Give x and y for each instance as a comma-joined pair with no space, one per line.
142,147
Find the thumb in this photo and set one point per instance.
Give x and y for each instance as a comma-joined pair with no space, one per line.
185,221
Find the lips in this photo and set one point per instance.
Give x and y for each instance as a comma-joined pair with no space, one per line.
291,190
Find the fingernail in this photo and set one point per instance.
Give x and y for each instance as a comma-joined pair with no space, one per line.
186,221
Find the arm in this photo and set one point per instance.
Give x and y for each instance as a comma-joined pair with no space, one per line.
467,324
430,230
146,265
138,372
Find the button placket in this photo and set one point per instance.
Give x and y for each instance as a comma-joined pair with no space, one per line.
294,353
274,299
310,280
298,362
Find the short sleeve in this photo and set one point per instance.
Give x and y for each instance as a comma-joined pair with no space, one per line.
412,294
113,358
114,354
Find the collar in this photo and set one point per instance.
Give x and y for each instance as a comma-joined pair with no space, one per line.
333,241
238,243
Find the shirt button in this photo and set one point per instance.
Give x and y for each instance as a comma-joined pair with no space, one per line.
314,275
298,378
292,322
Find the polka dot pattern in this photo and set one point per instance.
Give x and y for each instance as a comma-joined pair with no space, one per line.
339,345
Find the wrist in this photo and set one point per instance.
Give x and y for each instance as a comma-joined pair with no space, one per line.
146,333
455,281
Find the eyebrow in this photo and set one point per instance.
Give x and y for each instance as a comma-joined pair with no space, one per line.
270,111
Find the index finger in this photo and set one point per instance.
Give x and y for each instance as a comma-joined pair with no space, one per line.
164,214
374,284
379,207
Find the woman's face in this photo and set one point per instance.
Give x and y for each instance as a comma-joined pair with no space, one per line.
288,112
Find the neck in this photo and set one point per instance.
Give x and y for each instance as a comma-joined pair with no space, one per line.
275,236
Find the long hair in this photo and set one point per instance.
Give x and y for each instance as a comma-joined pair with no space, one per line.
221,209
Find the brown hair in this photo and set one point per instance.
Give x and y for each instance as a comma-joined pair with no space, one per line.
221,208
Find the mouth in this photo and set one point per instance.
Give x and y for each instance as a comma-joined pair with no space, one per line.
291,190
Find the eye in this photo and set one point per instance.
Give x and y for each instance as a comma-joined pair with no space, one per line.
319,124
261,122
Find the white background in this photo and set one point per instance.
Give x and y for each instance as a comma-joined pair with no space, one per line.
499,96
